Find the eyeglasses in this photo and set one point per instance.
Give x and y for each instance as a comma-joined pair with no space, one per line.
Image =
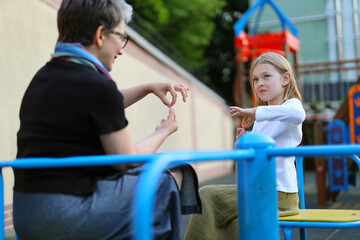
123,37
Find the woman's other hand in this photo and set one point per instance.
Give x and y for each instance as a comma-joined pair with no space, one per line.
161,89
169,124
119,142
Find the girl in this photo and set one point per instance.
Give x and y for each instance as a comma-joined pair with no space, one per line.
279,113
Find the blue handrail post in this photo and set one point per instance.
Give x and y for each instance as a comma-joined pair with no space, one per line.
2,232
257,196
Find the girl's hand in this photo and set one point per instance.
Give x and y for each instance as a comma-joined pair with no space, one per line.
169,124
247,115
161,89
240,132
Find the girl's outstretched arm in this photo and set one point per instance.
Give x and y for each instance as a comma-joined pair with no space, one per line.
247,115
291,111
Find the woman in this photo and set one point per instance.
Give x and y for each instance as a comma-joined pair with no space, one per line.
72,107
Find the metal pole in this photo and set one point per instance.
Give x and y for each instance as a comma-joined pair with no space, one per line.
320,165
356,30
257,196
339,33
356,27
2,235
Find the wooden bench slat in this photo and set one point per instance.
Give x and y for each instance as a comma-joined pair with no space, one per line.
324,215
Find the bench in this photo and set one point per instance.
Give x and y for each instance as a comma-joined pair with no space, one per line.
317,218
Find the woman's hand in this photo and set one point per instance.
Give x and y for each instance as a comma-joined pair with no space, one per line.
161,89
169,125
247,115
119,142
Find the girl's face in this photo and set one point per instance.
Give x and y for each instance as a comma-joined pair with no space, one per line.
269,84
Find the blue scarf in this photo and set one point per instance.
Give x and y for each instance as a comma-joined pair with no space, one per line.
75,52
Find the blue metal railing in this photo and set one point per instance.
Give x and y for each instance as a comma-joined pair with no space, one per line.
252,187
254,155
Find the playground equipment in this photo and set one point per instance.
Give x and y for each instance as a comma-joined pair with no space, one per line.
254,155
317,218
251,45
317,86
343,129
338,133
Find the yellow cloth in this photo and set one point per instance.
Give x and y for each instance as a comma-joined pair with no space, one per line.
218,220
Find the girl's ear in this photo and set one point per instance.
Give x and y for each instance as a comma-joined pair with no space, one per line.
99,36
286,79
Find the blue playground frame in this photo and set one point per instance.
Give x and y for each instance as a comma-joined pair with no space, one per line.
254,155
259,5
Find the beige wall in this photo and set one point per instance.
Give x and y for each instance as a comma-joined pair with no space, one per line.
28,34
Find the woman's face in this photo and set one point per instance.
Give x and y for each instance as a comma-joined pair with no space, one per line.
268,83
112,46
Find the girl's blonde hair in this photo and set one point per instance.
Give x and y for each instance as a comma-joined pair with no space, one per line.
282,66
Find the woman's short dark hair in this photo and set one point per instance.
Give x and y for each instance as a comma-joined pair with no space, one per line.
78,19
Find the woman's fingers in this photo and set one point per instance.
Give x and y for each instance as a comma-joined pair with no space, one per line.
183,90
172,113
164,99
170,123
173,89
173,93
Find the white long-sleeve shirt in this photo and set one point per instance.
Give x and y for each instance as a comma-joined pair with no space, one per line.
284,124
